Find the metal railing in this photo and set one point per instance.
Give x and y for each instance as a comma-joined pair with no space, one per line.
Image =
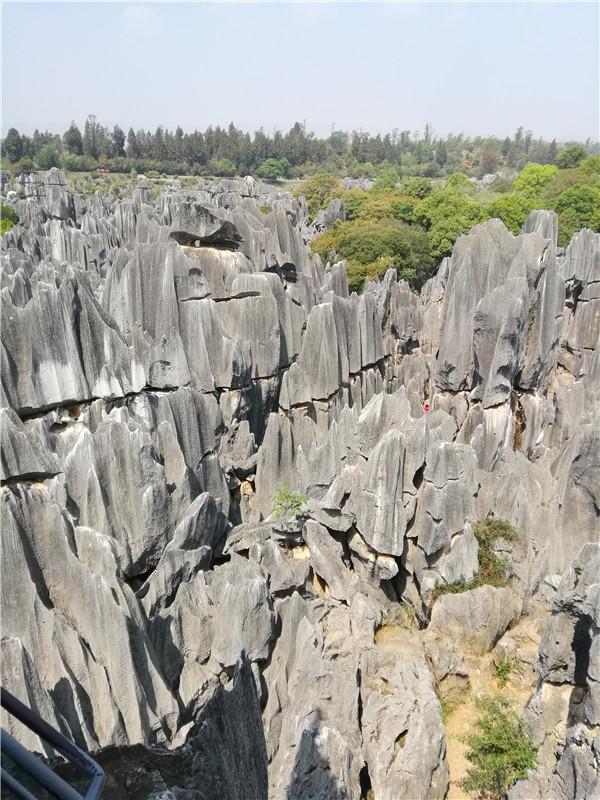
34,767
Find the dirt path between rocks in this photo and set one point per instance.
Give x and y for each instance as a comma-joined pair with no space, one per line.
461,718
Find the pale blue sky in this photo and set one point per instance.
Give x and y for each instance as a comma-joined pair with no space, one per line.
474,67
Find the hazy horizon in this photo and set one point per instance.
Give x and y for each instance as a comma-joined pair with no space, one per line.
480,69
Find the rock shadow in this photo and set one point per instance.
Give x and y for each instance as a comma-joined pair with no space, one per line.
581,644
312,778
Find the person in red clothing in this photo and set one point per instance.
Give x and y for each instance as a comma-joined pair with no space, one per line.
426,408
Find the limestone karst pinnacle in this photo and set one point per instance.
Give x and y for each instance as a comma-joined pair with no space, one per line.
168,364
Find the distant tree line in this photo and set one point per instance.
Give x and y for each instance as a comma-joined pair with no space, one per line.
230,151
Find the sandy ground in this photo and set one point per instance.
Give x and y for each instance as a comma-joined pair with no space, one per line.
461,718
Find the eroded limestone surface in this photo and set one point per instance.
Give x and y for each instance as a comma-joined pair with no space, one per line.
168,365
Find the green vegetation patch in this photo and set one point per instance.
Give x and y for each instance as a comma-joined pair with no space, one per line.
500,751
372,246
492,569
513,210
372,239
503,670
8,218
287,504
319,190
274,169
448,706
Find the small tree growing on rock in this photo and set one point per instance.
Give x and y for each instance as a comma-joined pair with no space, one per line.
499,750
287,504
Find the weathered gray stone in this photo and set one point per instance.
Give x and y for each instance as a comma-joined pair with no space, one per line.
70,622
326,558
22,453
496,284
567,699
478,616
169,364
544,222
404,742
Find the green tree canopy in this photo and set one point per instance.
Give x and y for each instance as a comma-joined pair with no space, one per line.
416,187
447,213
222,167
273,169
373,246
73,140
571,157
489,159
319,190
91,137
577,207
533,178
13,145
354,202
49,156
512,209
118,140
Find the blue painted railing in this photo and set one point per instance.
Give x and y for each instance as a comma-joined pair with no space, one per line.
33,766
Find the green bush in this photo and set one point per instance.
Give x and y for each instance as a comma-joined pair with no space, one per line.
387,180
358,274
287,504
499,750
8,213
571,157
416,187
492,569
577,207
222,167
458,587
265,209
319,190
8,218
447,213
273,169
25,165
373,246
503,668
460,182
533,178
512,209
79,163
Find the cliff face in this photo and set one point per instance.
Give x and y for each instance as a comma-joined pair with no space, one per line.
169,365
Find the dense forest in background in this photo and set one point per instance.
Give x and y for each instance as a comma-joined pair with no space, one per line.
410,224
225,152
423,192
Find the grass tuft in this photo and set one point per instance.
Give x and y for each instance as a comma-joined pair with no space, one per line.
492,569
